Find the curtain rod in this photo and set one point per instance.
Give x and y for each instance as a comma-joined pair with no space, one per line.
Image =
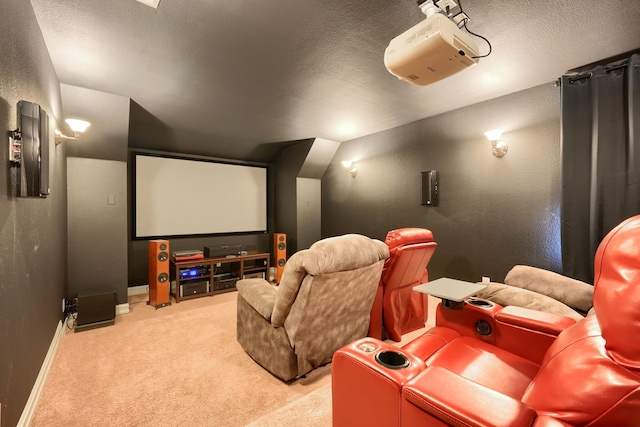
607,69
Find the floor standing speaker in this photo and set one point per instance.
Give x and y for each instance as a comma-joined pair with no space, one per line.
280,253
159,284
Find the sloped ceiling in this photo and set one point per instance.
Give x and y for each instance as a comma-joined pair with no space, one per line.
231,77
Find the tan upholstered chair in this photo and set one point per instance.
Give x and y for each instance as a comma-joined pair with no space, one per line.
321,304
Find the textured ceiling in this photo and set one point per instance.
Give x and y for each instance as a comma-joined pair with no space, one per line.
264,72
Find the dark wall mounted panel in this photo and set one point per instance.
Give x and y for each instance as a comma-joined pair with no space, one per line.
429,188
33,128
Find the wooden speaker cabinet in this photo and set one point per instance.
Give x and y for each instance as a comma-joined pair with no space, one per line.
159,284
280,254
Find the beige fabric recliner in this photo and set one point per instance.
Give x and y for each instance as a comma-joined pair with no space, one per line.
542,290
322,303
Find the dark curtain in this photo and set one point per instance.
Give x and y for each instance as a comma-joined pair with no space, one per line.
600,158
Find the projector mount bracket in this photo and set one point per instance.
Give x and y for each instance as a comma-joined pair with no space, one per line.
431,7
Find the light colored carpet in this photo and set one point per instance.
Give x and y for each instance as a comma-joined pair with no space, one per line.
312,410
178,365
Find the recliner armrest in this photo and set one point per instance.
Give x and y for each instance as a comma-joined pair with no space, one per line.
259,294
534,320
528,333
455,400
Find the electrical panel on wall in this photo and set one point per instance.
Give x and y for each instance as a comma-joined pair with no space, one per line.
29,150
430,188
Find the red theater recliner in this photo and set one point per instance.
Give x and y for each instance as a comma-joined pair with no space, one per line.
485,365
404,310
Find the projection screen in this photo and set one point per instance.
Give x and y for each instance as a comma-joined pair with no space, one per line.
180,197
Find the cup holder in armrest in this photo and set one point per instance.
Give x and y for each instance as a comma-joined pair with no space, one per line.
392,359
479,302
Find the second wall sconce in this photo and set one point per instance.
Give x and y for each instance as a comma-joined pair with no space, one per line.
350,167
498,148
76,125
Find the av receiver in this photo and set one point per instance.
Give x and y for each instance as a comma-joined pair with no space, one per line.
194,271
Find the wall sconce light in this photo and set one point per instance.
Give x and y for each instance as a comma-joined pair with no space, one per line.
498,148
350,167
76,125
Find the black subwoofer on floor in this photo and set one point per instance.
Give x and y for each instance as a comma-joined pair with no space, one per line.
96,308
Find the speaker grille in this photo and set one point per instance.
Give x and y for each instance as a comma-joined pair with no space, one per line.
280,249
159,292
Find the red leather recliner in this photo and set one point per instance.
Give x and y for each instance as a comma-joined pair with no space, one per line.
485,365
402,309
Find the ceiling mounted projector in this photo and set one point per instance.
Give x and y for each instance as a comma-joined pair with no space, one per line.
433,50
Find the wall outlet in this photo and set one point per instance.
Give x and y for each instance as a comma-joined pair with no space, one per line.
64,304
485,279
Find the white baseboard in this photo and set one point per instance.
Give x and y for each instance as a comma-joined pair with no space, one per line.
122,309
137,290
36,391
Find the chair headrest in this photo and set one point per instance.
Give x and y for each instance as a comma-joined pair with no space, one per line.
346,252
616,296
407,236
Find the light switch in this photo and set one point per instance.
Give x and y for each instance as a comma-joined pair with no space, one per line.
111,199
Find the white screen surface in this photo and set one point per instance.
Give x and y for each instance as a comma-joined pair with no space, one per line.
176,197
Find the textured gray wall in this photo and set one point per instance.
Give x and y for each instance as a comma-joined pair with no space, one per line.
97,254
108,136
97,226
308,211
287,169
493,212
32,231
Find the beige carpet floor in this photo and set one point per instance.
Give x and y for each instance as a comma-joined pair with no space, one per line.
178,365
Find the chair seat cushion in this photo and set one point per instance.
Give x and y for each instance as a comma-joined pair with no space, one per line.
487,365
457,401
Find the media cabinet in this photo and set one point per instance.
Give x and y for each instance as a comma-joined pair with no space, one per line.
209,276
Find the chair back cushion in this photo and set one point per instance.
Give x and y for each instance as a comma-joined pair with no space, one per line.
574,293
410,250
578,383
335,254
617,292
330,311
590,374
325,296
